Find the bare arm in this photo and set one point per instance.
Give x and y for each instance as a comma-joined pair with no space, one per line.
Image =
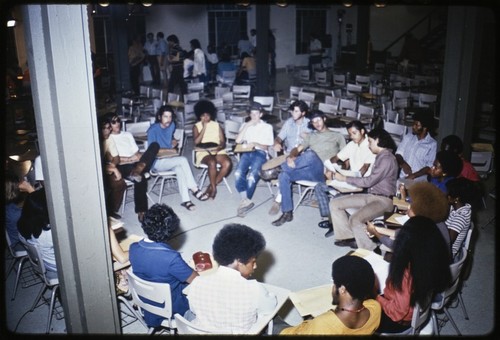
118,253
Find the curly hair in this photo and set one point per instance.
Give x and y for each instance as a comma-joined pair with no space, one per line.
425,117
463,189
12,192
429,201
384,138
205,106
237,242
452,143
356,124
35,215
302,105
160,222
420,248
355,274
451,163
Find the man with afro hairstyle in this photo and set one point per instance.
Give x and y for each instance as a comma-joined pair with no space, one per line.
152,259
353,292
226,302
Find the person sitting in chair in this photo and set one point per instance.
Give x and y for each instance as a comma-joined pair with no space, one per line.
353,293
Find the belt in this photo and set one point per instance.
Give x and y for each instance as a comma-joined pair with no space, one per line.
390,197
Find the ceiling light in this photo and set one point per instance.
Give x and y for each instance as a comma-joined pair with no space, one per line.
380,4
281,3
244,4
11,22
347,4
147,4
104,4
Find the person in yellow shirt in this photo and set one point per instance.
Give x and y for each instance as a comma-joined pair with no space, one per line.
356,312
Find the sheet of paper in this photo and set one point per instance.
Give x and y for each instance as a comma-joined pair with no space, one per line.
380,267
342,185
344,172
313,301
402,219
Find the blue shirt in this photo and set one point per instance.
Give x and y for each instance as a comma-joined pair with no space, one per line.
157,262
12,215
162,136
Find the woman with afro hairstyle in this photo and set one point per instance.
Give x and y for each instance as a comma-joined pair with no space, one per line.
152,259
419,269
447,165
208,135
226,302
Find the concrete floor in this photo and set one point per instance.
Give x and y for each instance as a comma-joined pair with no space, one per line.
297,256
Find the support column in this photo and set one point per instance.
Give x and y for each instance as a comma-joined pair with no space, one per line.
59,56
262,18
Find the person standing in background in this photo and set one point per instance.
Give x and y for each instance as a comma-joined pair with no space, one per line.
150,46
253,38
136,57
176,56
162,53
199,68
272,54
315,51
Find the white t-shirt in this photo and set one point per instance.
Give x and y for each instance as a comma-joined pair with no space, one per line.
358,155
125,144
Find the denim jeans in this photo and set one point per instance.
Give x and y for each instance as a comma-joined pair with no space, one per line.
247,172
308,166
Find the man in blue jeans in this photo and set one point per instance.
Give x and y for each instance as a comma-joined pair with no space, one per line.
305,162
255,136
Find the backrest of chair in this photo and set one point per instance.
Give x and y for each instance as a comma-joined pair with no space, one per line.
353,88
395,129
267,102
481,160
366,110
138,128
424,99
241,91
12,252
228,97
191,97
379,67
36,260
332,100
320,77
196,87
392,116
339,80
220,90
156,292
469,236
157,93
186,327
328,109
352,114
304,75
455,270
347,104
218,102
294,92
145,91
398,94
362,80
180,136
307,96
231,129
228,77
421,314
172,97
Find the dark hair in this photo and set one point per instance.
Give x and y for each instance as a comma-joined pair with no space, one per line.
425,117
34,215
356,124
160,222
355,274
463,189
452,143
195,43
173,38
429,201
237,242
420,248
301,104
384,138
205,106
225,57
150,34
162,109
160,35
244,55
451,163
12,192
210,48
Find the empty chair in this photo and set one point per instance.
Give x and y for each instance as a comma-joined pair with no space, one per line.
427,100
307,96
231,130
241,91
172,97
191,98
347,104
157,94
366,111
305,77
294,92
145,91
155,297
482,161
321,78
329,109
227,78
392,116
196,87
332,100
364,81
220,90
352,114
339,80
353,89
228,97
218,103
379,67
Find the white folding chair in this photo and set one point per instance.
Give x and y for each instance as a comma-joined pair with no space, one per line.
352,90
307,192
321,78
227,79
196,87
397,131
241,91
202,176
139,131
267,103
305,77
307,97
328,109
191,98
364,81
36,260
19,257
158,293
339,80
220,90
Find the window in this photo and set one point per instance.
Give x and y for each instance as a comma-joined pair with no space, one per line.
309,20
225,26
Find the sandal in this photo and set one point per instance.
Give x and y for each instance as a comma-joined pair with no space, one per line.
204,197
188,205
198,194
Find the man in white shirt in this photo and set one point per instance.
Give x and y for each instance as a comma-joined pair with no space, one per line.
227,302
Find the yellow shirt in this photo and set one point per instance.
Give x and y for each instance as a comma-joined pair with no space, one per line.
329,324
211,136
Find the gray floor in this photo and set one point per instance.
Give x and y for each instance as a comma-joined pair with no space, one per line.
297,256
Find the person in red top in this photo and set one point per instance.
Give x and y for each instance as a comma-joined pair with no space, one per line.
454,143
418,270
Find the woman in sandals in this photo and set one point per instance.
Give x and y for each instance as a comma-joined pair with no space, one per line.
208,135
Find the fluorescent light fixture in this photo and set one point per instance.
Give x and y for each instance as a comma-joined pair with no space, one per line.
147,4
281,3
380,4
347,4
11,23
104,4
